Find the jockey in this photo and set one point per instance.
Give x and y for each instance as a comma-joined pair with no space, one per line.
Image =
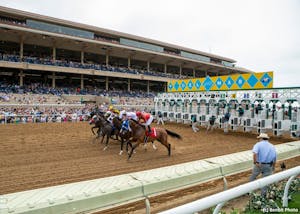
121,114
125,123
109,116
147,117
132,115
113,110
129,115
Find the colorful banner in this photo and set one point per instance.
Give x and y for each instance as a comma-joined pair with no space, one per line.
223,83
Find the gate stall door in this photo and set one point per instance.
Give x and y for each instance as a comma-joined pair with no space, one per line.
222,107
194,107
172,106
164,106
172,110
186,106
232,106
179,106
202,107
159,105
212,107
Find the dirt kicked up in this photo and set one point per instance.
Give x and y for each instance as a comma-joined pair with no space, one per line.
41,155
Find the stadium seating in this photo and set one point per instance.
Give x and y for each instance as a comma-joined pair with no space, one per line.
66,63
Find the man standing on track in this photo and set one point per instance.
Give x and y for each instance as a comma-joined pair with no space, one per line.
264,159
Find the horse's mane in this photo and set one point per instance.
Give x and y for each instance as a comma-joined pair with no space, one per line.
118,119
104,120
136,122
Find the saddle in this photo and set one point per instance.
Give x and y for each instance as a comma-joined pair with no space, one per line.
153,133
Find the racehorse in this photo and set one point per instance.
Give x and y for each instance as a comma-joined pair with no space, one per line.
105,128
124,135
97,124
139,133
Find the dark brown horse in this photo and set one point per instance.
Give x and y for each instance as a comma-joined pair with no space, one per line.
97,124
105,128
139,133
125,135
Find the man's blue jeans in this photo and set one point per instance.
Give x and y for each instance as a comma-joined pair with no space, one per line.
265,170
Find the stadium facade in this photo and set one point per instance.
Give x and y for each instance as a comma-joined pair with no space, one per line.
37,48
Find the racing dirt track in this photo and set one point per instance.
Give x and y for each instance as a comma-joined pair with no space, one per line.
40,155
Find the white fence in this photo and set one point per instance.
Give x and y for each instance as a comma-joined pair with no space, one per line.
42,118
111,191
235,192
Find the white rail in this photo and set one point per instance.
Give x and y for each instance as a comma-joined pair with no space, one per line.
235,192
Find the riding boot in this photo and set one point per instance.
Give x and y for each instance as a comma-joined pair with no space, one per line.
145,139
149,130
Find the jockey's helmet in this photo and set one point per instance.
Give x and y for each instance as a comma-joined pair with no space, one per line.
138,114
108,113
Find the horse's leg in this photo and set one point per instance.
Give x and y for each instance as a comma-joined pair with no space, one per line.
153,145
132,149
92,129
103,136
164,141
121,149
117,134
146,138
107,139
168,146
98,133
128,143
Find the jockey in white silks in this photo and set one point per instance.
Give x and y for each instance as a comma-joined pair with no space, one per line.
129,115
109,116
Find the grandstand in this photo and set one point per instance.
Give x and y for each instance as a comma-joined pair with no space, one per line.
60,54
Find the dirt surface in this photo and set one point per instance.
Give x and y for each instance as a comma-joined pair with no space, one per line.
40,155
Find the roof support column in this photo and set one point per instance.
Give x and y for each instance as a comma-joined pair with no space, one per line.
82,57
21,47
180,71
148,86
81,81
206,73
165,68
21,75
148,65
53,79
194,72
107,58
129,62
106,84
54,54
128,85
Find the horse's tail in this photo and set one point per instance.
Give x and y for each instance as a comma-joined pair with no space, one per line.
173,134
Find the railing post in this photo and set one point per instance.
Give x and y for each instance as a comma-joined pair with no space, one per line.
285,200
147,203
220,205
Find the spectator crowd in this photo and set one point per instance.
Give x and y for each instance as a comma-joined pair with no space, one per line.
68,63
